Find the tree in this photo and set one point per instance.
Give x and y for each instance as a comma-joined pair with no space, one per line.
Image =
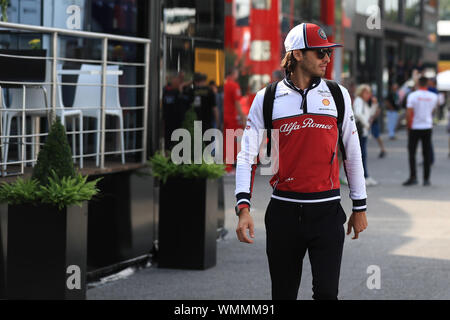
54,155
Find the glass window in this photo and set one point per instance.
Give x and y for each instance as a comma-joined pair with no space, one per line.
260,50
294,12
26,12
179,21
412,54
391,11
362,51
179,57
362,5
210,19
444,10
261,4
242,12
368,61
431,5
199,18
413,13
347,71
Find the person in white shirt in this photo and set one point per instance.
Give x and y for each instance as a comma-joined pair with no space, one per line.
364,115
419,115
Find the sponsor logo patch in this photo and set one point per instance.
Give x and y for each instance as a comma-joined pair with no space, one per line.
326,102
327,109
324,93
282,95
322,34
287,128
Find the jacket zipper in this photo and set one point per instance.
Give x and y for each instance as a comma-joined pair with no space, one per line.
302,106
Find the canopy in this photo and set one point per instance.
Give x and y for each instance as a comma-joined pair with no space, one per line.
443,80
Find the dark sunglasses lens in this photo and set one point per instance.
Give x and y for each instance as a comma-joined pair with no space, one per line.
321,53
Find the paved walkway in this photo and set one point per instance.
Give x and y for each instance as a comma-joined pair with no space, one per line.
408,239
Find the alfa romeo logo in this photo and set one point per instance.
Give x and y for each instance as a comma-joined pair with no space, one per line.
322,34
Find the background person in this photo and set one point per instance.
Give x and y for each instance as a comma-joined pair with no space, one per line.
375,126
233,116
218,93
204,102
173,108
364,116
419,115
392,109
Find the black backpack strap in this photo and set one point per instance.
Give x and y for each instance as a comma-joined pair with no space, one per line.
340,106
269,97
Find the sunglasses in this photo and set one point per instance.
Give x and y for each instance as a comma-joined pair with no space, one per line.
322,52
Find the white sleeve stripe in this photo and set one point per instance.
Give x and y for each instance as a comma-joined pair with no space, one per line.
243,200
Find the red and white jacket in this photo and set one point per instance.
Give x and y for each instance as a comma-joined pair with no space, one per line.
306,125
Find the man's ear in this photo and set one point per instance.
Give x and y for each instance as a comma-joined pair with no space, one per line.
298,55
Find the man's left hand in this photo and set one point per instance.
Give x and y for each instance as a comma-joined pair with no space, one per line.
358,222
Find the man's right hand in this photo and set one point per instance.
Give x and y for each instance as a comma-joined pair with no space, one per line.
245,222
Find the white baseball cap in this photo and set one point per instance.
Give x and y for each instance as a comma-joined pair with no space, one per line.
306,36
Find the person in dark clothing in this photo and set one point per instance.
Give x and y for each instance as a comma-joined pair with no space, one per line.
219,103
393,107
432,88
173,109
400,72
204,102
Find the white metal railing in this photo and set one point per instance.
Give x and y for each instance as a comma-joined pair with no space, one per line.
54,83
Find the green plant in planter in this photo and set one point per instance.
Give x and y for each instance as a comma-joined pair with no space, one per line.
163,167
4,5
54,180
35,44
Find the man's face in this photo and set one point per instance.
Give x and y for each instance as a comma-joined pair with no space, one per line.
175,81
310,64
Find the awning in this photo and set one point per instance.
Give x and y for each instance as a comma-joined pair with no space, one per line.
443,80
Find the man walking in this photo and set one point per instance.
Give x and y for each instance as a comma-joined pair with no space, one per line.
419,116
304,213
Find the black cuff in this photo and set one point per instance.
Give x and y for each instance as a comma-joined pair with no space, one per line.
359,205
243,197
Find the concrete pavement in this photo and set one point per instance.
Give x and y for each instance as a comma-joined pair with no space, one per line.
408,239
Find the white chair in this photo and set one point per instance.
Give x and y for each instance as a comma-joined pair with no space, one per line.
88,99
36,98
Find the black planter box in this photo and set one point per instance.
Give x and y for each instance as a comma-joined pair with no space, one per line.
43,243
3,234
121,219
22,70
188,223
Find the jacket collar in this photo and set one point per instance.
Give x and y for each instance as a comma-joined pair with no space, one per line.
314,83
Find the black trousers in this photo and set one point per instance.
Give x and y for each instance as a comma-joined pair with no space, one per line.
414,137
292,229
